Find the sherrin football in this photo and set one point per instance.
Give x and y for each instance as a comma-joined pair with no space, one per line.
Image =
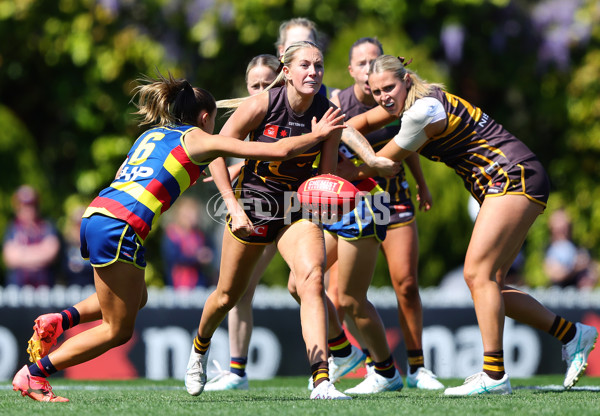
327,195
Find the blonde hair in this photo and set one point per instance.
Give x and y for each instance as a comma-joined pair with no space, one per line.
266,59
297,21
167,101
286,60
419,88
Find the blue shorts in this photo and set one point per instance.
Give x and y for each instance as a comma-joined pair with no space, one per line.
105,240
370,218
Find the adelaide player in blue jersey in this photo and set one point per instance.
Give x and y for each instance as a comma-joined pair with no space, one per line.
512,188
163,162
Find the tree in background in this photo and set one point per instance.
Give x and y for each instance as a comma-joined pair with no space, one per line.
68,68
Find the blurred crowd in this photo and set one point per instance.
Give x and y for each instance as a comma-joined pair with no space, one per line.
566,263
36,252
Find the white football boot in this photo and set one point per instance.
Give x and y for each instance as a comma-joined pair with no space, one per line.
481,383
376,383
195,376
226,380
576,353
327,391
423,379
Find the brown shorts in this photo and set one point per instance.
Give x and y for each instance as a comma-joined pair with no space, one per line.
527,178
401,213
266,232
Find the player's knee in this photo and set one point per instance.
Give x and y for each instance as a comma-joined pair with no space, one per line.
469,274
121,334
226,301
475,276
349,304
311,284
407,286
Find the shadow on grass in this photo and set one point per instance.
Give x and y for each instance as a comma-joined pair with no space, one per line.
558,389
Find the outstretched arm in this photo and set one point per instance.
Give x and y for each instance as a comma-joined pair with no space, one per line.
371,120
211,146
423,195
234,172
237,126
357,142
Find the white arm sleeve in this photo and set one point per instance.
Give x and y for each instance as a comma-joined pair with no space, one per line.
424,111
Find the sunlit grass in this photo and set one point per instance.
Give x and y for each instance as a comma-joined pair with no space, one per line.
541,395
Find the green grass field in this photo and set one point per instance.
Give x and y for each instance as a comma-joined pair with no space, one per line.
541,395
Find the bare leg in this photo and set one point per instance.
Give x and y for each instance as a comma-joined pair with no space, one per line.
237,263
302,247
239,319
523,308
500,229
120,290
401,252
355,271
334,324
89,308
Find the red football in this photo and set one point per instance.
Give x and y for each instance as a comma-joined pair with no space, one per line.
327,194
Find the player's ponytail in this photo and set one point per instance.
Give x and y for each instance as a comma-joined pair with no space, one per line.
168,101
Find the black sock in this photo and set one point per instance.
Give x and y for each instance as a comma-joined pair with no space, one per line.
415,360
386,368
42,368
340,346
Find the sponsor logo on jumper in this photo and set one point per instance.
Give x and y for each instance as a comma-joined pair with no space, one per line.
129,174
277,132
483,120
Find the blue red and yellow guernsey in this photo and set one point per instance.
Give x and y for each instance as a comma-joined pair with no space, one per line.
158,169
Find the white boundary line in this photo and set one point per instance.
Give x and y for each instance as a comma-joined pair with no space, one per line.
97,387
